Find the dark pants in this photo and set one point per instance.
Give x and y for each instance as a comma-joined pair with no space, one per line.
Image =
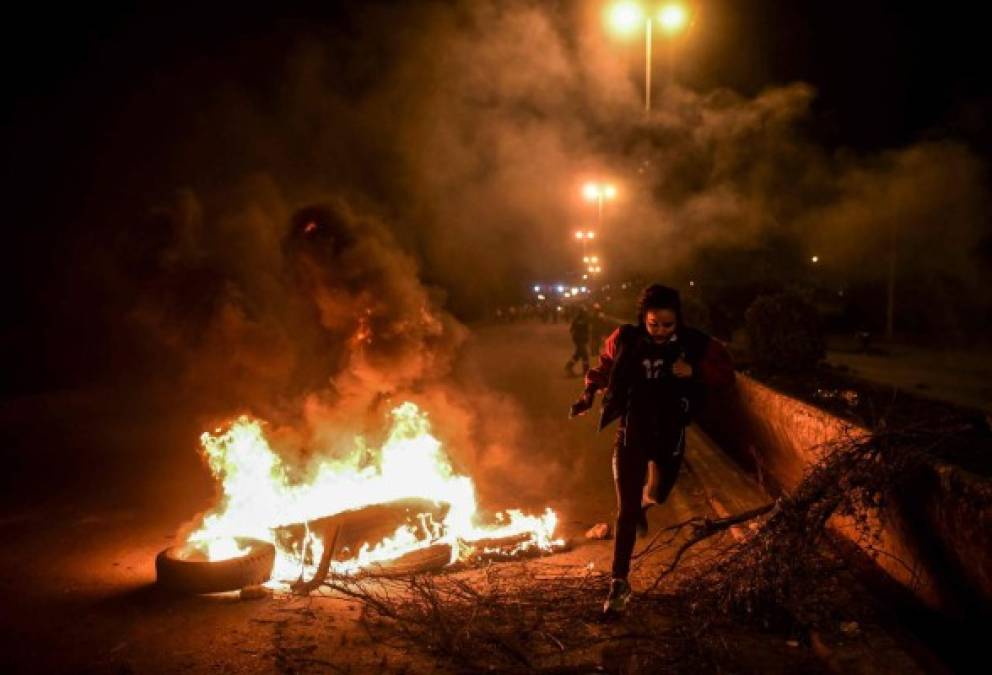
581,354
630,468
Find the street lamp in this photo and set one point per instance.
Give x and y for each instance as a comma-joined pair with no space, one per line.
599,192
625,17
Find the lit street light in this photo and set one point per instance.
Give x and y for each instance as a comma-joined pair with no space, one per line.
599,192
626,17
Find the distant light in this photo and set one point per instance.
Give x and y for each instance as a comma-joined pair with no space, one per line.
561,289
590,191
567,294
625,17
594,259
590,235
584,289
815,259
541,297
672,17
585,259
585,276
537,289
692,283
609,192
580,235
559,308
575,290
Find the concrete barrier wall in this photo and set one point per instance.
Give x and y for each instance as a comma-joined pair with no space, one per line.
935,540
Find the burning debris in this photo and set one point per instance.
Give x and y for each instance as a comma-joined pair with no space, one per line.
781,574
399,508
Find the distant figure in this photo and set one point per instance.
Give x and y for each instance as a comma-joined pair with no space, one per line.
598,328
654,375
579,330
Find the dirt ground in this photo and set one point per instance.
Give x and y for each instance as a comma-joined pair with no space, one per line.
77,564
956,376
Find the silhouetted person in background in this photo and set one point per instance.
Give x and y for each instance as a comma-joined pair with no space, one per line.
599,328
579,330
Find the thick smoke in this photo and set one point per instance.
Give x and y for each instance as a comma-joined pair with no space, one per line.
315,212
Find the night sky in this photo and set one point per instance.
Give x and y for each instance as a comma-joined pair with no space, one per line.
103,105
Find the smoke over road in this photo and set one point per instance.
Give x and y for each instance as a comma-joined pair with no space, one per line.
257,210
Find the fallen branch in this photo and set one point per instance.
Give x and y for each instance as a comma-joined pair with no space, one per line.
704,528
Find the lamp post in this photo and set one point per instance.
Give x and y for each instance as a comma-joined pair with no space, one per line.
625,17
599,192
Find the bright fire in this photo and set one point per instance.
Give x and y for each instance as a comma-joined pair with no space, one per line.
259,495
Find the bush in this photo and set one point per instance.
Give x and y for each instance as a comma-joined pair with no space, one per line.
784,332
696,312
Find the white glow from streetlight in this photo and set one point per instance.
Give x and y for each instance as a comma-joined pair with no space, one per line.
673,18
585,258
625,17
815,259
585,277
596,191
540,297
594,259
580,235
590,235
561,289
537,289
584,289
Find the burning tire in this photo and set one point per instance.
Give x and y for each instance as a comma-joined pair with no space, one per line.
186,569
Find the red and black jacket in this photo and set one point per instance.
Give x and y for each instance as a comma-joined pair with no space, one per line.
618,364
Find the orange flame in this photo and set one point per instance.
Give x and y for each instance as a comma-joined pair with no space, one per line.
259,496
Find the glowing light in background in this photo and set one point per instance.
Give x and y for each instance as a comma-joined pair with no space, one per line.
673,18
625,17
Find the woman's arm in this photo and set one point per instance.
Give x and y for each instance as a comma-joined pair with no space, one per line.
716,368
598,377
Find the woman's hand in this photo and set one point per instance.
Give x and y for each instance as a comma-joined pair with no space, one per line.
681,368
581,405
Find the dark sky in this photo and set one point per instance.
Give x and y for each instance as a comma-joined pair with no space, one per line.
98,99
886,72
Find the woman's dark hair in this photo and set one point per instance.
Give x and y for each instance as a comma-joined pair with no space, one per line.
657,296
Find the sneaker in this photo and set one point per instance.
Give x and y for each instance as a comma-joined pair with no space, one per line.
642,521
619,597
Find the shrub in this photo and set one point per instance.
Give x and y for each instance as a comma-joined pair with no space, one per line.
784,332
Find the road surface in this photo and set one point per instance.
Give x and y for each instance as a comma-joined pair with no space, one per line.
77,567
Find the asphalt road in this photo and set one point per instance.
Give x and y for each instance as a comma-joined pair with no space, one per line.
77,564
